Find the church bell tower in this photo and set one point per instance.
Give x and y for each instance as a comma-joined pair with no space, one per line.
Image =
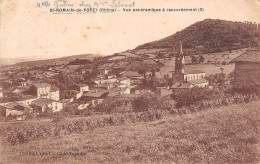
179,61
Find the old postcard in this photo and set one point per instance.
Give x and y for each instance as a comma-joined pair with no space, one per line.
129,81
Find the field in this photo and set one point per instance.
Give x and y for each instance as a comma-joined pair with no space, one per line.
224,135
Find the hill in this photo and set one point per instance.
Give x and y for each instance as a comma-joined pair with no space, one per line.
224,135
62,60
210,35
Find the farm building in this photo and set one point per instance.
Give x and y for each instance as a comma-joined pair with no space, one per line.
41,104
247,69
44,90
94,97
14,109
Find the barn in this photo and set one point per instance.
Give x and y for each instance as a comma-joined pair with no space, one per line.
247,70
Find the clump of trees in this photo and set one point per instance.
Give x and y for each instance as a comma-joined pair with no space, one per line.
80,62
201,98
199,59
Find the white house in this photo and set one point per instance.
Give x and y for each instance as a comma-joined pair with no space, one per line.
41,104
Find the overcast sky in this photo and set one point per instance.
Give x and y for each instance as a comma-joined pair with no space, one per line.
27,31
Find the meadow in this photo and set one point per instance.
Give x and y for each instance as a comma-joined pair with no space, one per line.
221,135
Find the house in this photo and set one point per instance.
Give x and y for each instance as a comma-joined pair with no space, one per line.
26,99
14,109
134,76
40,89
118,91
77,90
101,87
80,87
183,79
124,81
247,68
163,90
94,97
20,90
181,86
41,104
54,93
105,81
44,90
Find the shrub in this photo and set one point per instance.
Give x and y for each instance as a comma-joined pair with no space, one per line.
114,104
145,102
58,118
140,103
47,113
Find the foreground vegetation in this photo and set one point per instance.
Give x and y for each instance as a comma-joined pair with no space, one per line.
120,111
225,135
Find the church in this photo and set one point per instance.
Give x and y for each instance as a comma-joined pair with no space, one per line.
183,79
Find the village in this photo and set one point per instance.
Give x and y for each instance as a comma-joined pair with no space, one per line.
35,95
29,95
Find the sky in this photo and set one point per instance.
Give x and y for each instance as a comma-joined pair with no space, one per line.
30,32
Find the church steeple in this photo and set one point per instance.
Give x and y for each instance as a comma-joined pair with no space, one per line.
180,51
179,61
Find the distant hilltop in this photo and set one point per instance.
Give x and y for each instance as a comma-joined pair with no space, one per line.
211,36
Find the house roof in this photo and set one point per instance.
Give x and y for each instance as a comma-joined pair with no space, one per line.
114,92
27,97
198,81
42,85
123,78
131,74
42,102
95,94
100,86
53,88
249,56
12,105
193,72
185,85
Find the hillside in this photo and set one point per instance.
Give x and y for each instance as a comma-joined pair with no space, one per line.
62,60
210,35
224,135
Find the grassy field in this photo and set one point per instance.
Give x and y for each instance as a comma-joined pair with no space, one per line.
225,135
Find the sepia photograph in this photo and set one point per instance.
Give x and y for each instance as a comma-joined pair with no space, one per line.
130,81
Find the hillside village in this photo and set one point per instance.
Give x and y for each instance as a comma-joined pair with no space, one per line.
83,83
35,95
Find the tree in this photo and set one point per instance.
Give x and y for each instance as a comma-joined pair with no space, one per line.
142,72
201,59
194,59
47,112
221,69
153,72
